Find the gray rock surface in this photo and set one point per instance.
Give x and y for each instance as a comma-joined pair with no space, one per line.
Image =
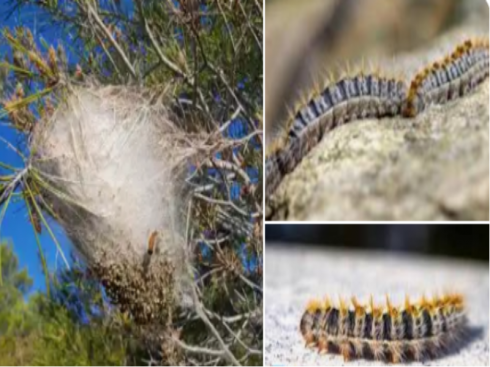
294,275
432,167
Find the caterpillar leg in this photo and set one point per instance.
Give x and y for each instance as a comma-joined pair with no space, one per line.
309,340
377,351
346,351
322,345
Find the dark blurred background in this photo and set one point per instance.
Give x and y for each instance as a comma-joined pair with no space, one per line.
461,241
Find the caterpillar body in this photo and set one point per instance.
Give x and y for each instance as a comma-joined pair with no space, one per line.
416,331
152,241
374,96
359,97
454,76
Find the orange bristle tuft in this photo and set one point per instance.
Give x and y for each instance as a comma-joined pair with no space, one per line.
314,306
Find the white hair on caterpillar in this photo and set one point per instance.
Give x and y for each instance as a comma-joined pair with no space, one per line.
110,159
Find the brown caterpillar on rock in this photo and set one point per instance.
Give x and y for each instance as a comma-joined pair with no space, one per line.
414,332
454,76
371,95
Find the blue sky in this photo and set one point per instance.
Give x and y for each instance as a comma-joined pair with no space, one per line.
16,226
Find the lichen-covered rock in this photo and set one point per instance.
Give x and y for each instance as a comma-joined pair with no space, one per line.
432,167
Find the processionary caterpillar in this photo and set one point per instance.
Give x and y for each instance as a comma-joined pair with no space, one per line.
415,331
152,241
373,95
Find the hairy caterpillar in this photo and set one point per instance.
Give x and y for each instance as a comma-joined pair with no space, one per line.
413,332
373,95
454,76
349,99
152,241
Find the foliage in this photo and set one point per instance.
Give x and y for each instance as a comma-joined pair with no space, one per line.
61,340
210,53
73,327
14,284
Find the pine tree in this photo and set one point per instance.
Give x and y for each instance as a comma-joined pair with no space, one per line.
209,54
